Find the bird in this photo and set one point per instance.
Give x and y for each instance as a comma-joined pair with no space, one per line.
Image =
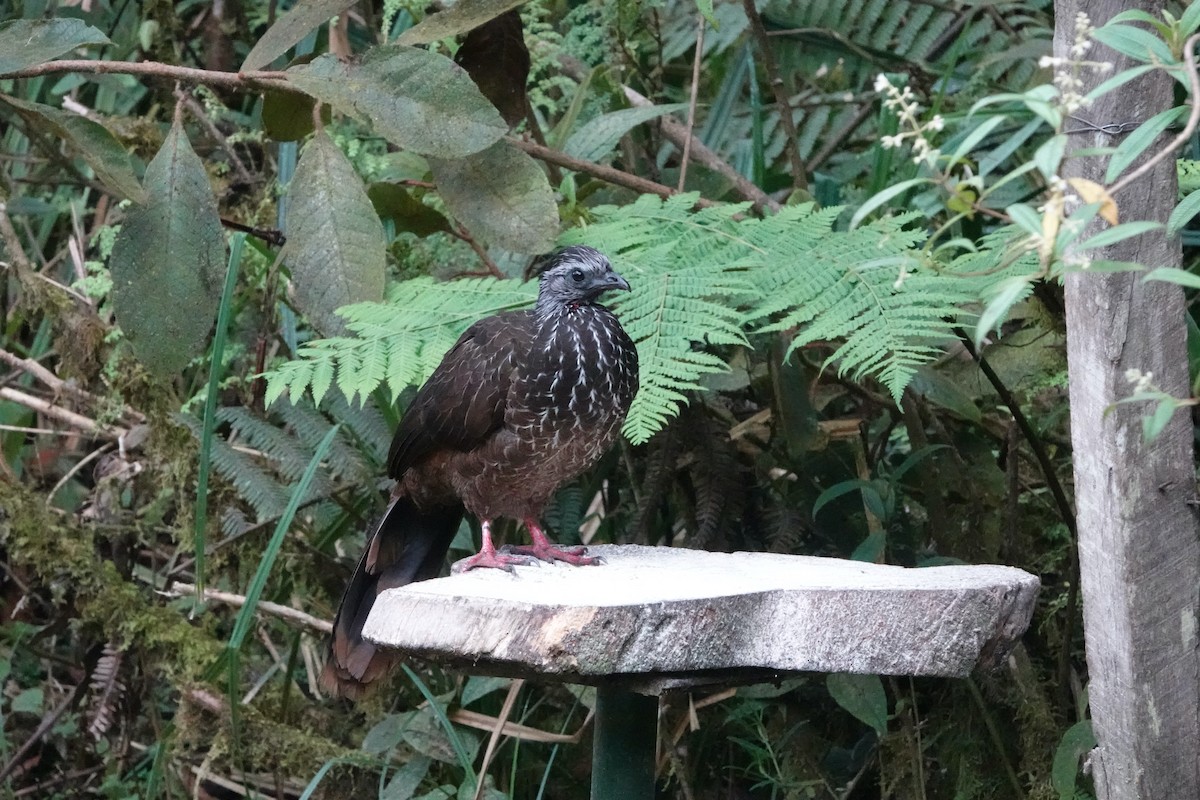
524,402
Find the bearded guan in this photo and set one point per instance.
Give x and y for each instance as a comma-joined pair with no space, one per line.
524,402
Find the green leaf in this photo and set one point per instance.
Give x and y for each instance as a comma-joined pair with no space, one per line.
878,200
837,490
289,29
976,136
1050,155
1119,233
862,696
1187,209
1135,43
288,117
478,686
98,147
29,701
502,196
29,42
459,18
1182,277
1007,294
1026,218
168,261
387,733
1137,142
705,7
1120,79
1153,424
1075,743
1190,21
415,98
335,249
597,138
870,548
393,202
407,779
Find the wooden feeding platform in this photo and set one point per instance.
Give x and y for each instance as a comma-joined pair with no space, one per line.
653,619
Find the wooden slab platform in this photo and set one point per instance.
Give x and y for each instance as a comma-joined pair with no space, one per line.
654,618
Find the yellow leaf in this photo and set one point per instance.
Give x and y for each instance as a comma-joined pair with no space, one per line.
1092,192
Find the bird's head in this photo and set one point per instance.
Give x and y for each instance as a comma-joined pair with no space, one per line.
576,275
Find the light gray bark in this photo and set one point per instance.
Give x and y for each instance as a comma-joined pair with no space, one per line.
1138,548
653,618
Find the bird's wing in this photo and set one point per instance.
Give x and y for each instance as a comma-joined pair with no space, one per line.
463,402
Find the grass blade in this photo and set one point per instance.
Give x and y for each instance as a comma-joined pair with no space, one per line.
199,537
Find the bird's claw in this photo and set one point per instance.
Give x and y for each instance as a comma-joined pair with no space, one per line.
492,560
576,555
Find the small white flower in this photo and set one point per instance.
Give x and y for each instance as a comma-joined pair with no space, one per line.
936,124
882,84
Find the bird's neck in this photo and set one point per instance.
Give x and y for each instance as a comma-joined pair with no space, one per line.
555,310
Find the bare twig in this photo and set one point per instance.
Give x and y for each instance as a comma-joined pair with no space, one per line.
1189,60
799,173
61,414
604,173
48,722
677,133
58,385
493,269
73,471
271,236
691,120
274,609
152,69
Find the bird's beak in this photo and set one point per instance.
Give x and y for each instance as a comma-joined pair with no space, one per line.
615,281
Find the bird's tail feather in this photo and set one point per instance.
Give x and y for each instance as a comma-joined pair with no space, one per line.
407,544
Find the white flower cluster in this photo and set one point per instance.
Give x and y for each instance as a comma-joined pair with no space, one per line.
904,103
1066,70
1142,381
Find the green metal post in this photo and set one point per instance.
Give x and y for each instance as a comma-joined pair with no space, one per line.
623,748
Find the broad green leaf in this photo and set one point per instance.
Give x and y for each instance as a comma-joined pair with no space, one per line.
1050,155
459,18
429,737
335,247
393,202
880,199
1009,291
288,117
862,696
387,733
168,261
1190,20
28,702
289,29
1136,143
1025,218
415,98
1078,740
406,780
478,686
1120,79
705,7
597,138
502,196
1188,280
29,42
870,548
977,135
1135,43
97,146
1119,233
1188,208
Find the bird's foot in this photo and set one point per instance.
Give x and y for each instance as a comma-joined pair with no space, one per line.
490,559
547,551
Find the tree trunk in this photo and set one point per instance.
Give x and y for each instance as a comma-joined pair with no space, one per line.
1139,553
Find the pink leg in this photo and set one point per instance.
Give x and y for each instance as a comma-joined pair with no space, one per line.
487,557
545,550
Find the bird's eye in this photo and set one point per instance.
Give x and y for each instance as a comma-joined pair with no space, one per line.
577,275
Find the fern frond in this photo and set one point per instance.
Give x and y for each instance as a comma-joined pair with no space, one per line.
398,342
107,690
